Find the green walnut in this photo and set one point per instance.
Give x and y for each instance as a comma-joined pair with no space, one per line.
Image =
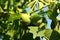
25,19
35,18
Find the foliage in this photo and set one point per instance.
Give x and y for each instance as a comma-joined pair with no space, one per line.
18,24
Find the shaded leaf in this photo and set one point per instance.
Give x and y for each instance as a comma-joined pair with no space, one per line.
55,35
14,17
27,36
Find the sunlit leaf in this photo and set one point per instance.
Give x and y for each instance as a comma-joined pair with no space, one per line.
17,24
57,28
20,10
30,4
34,30
58,11
41,5
1,10
43,25
47,33
6,5
39,21
58,18
11,32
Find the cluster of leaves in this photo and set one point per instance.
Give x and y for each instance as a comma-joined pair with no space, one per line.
18,24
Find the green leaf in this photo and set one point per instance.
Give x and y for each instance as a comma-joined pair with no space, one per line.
31,4
34,30
54,35
14,17
6,4
51,34
10,32
41,5
47,33
27,36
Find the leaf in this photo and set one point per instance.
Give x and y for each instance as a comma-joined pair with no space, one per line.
20,10
48,1
23,3
41,5
17,0
58,5
54,35
47,33
32,7
52,14
10,32
2,2
39,21
53,24
43,26
51,34
14,17
58,11
41,33
27,36
58,18
30,4
34,30
37,38
6,4
1,10
52,11
57,28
